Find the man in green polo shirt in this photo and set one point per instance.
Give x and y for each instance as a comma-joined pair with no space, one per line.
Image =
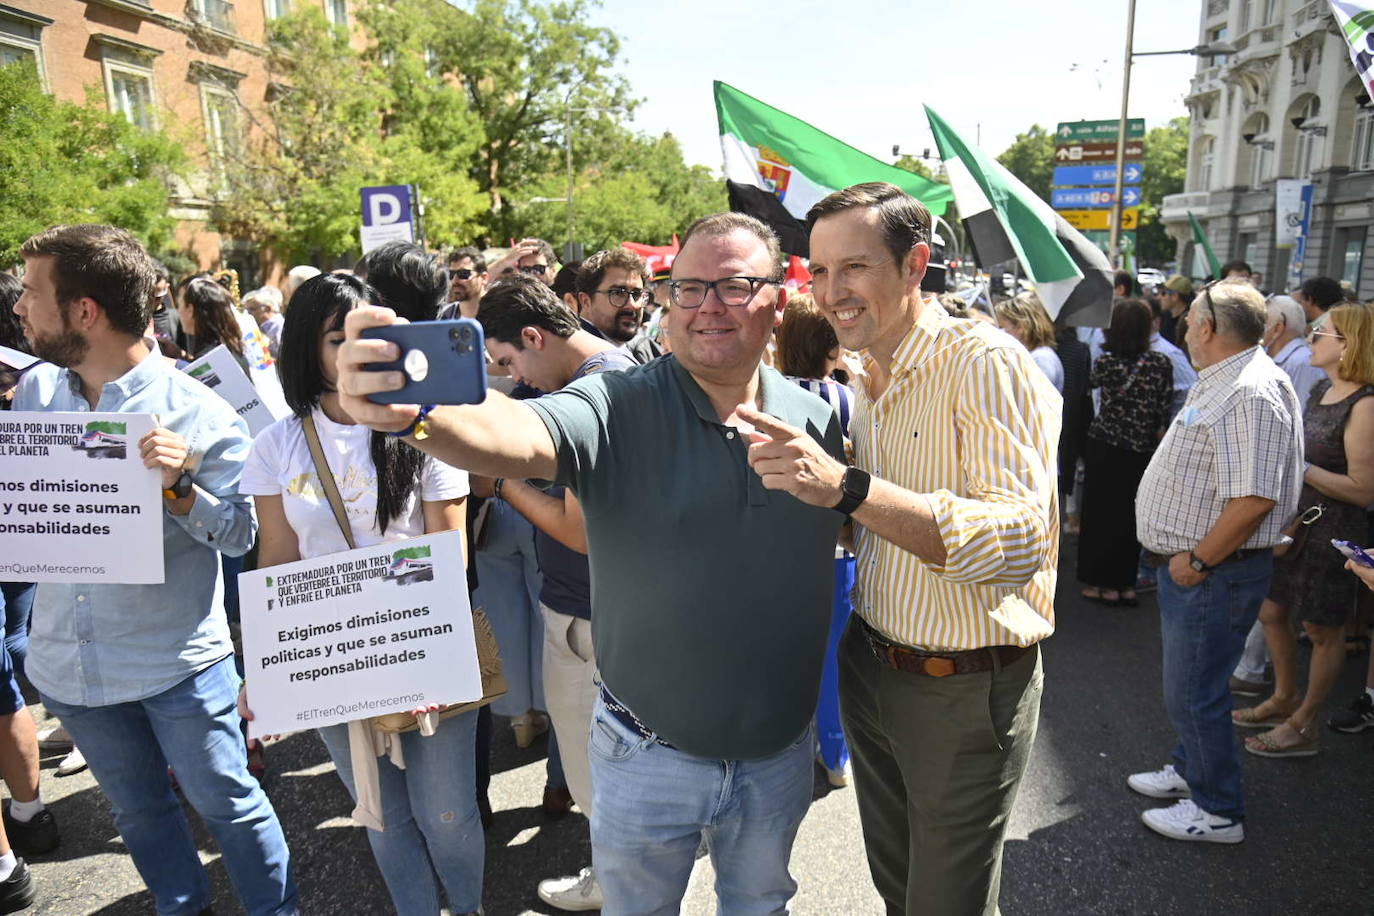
711,593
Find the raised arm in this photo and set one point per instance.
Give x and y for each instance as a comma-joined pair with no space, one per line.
500,437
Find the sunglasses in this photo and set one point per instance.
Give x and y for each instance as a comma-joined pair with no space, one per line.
533,269
462,273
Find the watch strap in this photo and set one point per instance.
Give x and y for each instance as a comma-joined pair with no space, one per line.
181,488
1197,564
854,486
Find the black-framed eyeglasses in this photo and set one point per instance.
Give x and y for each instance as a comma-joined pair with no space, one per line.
620,295
732,291
462,273
535,270
1206,293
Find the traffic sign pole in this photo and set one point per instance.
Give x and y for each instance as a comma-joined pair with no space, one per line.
1122,128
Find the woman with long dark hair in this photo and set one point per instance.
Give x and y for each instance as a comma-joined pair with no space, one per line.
207,319
1137,385
428,820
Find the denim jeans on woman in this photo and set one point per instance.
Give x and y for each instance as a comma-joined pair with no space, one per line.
652,805
1204,628
194,729
430,817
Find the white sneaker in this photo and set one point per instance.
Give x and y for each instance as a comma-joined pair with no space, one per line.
838,777
1184,820
1165,783
73,763
575,893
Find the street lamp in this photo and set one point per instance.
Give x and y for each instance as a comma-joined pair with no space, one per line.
1212,49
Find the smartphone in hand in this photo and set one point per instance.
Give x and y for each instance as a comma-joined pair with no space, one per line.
444,362
1353,552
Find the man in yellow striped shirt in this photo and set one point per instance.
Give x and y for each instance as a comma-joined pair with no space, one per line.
953,495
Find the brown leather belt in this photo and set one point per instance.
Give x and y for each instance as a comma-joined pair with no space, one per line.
943,664
1151,558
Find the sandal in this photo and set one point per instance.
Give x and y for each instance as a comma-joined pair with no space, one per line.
1274,743
1130,599
1251,717
1099,597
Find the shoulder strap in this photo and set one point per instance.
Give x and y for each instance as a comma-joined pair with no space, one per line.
326,476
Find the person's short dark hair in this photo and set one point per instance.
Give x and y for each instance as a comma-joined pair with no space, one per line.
479,260
102,263
160,272
518,301
1235,266
566,280
318,306
594,269
1123,280
1130,330
408,280
805,338
214,313
1323,292
1156,307
11,331
718,224
903,220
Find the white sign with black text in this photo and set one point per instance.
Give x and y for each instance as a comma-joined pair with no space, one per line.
376,630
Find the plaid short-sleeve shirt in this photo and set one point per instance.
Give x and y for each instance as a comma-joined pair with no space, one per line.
1239,434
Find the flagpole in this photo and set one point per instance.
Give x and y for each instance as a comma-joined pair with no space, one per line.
1115,243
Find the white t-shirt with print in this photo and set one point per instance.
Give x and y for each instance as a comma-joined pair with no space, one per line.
280,465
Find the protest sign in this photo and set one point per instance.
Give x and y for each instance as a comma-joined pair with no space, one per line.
76,502
262,369
219,371
380,629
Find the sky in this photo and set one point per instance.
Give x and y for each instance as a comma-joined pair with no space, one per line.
861,69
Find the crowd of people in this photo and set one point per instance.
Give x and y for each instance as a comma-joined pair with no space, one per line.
724,531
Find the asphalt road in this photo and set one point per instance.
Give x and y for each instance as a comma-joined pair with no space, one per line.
1075,846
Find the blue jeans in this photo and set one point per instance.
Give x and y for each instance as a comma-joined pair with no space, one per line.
194,728
829,728
652,805
429,812
508,585
16,603
1204,628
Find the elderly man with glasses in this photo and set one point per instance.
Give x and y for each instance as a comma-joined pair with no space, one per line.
711,594
1211,507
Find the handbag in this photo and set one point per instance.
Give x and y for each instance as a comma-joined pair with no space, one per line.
1297,530
488,654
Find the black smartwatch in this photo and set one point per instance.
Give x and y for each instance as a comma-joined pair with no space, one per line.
179,490
854,485
1197,565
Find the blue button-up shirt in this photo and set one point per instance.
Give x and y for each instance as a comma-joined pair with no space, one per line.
95,645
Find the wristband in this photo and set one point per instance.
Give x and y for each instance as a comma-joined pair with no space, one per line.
417,427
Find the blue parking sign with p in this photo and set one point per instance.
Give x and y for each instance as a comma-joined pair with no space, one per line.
386,204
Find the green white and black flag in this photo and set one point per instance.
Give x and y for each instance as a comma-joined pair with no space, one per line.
777,167
1007,220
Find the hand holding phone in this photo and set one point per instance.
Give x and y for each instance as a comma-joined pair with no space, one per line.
443,362
1353,552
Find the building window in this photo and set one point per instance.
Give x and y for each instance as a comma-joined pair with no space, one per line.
218,14
1267,8
1246,8
21,40
1213,36
1207,160
337,11
222,136
1260,158
275,9
130,90
1349,249
1362,152
1306,145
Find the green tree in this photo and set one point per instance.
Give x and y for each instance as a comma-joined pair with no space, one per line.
1166,165
1031,159
918,166
642,191
345,120
524,64
68,163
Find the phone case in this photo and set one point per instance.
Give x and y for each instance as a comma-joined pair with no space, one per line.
444,362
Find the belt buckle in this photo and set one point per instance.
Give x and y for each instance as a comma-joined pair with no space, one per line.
938,666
